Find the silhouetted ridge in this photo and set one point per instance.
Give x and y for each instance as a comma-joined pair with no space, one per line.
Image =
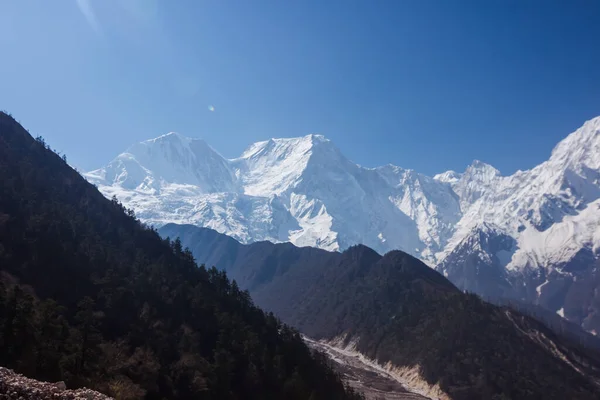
358,261
405,266
359,250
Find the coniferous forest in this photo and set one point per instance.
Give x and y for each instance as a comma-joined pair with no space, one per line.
396,309
90,296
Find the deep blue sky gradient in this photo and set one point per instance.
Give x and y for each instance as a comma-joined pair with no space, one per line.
427,85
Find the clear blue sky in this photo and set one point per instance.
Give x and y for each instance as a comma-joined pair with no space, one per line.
428,85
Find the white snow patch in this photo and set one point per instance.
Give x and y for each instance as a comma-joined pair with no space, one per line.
539,288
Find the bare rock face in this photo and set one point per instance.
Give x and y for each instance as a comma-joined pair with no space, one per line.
18,387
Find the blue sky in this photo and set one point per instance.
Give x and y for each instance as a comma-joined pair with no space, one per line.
428,85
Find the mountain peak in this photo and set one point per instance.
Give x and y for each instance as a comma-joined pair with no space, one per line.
580,148
276,165
480,165
317,138
169,135
448,177
481,171
359,251
288,145
309,140
169,138
167,159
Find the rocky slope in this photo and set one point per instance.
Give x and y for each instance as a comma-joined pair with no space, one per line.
17,387
374,382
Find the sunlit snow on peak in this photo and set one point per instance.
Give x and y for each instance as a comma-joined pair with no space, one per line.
325,200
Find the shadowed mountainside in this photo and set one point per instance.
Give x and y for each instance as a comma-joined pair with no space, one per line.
395,309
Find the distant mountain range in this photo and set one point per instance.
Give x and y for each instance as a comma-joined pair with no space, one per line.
533,235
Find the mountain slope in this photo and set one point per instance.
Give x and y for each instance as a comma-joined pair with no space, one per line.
90,296
478,262
397,311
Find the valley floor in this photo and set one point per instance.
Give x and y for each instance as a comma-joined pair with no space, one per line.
374,383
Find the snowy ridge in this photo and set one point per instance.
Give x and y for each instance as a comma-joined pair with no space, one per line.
532,201
562,241
305,191
301,190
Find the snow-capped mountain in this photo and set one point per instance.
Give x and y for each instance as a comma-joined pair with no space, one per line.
513,229
301,190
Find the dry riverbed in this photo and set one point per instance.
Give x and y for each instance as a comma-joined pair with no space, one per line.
373,382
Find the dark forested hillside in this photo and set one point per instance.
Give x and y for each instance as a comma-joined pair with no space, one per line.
252,266
90,296
397,309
